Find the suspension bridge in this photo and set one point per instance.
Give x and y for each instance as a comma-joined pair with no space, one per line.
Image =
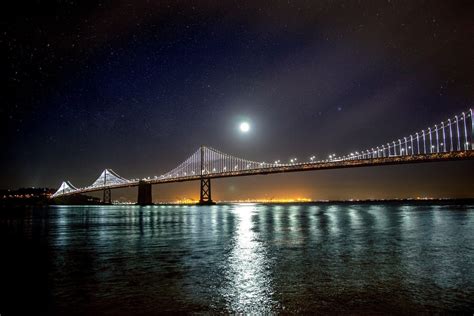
449,140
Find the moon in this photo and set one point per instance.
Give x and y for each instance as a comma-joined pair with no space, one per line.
244,127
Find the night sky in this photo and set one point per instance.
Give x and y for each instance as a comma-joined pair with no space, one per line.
138,86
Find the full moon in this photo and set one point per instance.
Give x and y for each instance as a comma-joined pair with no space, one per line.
244,127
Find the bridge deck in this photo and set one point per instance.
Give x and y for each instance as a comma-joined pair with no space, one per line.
372,162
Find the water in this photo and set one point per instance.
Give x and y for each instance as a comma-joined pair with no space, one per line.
237,258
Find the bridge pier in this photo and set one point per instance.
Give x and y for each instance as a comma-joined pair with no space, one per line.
205,196
144,193
107,198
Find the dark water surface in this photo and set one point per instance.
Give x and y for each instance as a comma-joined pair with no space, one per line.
237,258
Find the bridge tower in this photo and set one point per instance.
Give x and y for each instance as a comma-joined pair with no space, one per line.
144,193
205,196
472,128
107,197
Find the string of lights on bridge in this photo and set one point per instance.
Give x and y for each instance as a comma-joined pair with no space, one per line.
452,135
448,136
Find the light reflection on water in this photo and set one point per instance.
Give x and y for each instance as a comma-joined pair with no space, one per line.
248,271
248,258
